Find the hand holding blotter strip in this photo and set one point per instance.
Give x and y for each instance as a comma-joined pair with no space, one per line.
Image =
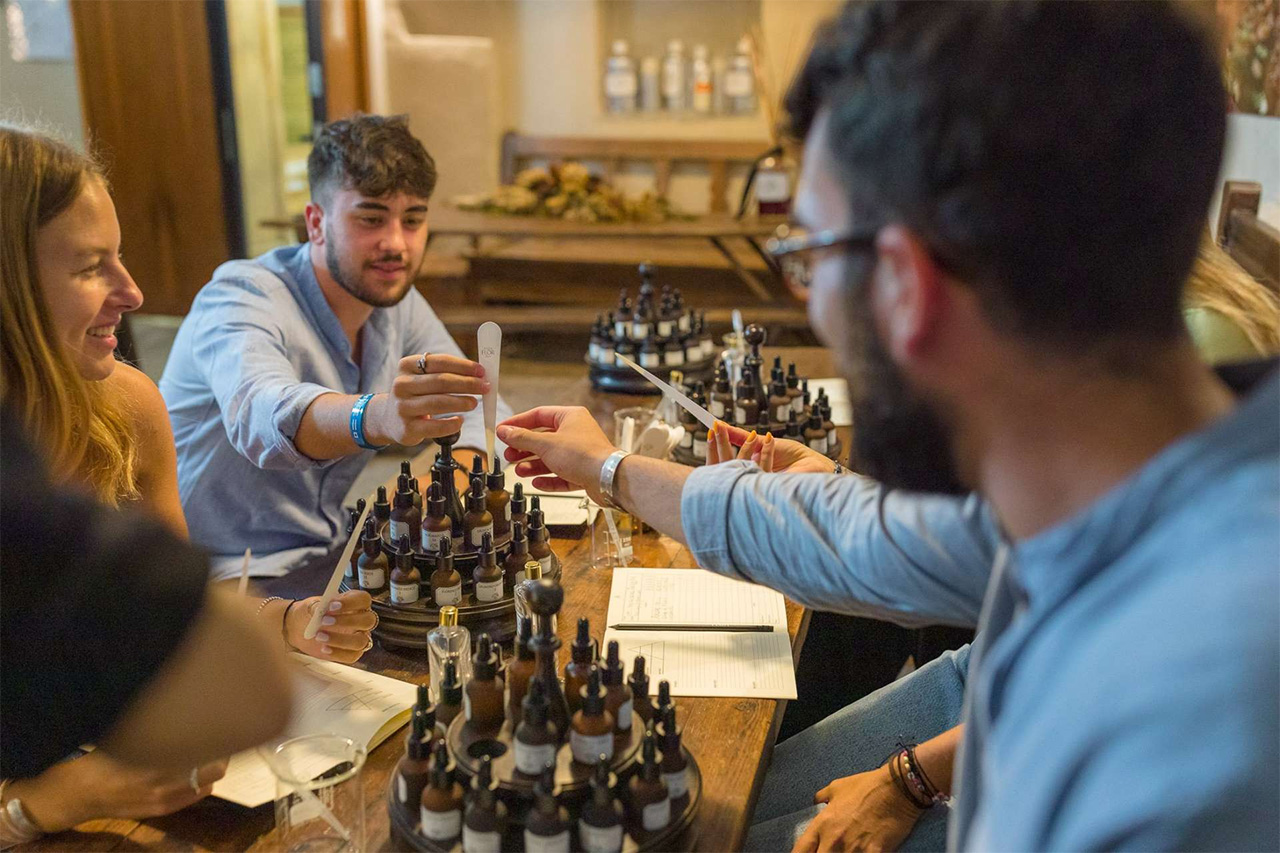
733,661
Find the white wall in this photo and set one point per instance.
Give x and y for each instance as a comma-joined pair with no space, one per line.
1253,154
43,93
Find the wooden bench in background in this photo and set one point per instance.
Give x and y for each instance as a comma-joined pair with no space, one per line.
1254,244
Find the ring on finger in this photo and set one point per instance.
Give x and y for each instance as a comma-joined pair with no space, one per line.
367,645
422,363
195,779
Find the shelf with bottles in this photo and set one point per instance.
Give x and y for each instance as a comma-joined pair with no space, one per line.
657,332
739,395
697,84
503,760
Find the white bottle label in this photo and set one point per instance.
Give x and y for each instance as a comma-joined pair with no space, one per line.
639,331
474,841
818,444
656,815
545,562
531,758
597,839
737,83
649,359
677,783
772,186
477,534
717,408
403,787
441,826
489,590
506,512
431,539
739,415
372,578
593,351
620,329
693,352
466,705
606,355
624,715
398,529
832,438
700,448
664,328
620,84
797,404
782,412
686,440
404,593
675,357
708,348
588,748
352,570
546,844
449,595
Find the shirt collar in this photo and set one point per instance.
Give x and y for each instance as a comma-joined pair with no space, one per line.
309,288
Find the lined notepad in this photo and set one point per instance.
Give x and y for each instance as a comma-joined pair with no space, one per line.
703,663
328,698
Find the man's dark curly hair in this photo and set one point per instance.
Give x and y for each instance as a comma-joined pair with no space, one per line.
1059,157
374,155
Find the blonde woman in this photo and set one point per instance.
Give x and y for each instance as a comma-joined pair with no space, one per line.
101,425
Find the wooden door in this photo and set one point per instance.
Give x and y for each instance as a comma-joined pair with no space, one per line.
147,90
346,87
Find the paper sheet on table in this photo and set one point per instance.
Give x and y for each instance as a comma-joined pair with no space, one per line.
838,393
559,509
328,697
703,663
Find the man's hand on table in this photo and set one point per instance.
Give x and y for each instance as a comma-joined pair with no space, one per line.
561,447
411,413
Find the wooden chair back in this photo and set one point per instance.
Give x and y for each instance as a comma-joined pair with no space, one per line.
1254,244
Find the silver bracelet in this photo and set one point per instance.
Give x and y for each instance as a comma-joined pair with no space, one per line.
15,826
265,602
608,471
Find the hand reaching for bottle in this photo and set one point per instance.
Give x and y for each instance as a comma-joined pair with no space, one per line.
781,455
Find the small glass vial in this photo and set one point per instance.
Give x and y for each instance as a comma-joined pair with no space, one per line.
447,642
702,81
488,575
674,78
539,536
405,518
532,573
405,578
620,84
518,504
740,80
446,583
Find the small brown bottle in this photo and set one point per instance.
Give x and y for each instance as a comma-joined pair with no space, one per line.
535,737
371,569
833,438
539,536
700,436
650,799
779,404
639,682
518,504
446,583
674,763
450,704
617,698
519,670
477,522
814,435
746,408
546,828
498,500
591,731
416,493
381,507
488,574
405,578
405,518
486,816
721,403
793,388
442,799
482,699
664,701
513,565
581,660
436,526
414,769
600,825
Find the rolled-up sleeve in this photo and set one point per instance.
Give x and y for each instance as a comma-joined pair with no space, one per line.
243,347
842,542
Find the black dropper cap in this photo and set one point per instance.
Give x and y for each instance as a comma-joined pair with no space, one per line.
418,747
487,556
601,783
793,425
450,689
793,379
815,418
535,513
497,481
381,508
403,499
475,495
517,499
779,388
484,663
402,482
535,705
355,516
592,696
405,470
639,678
612,676
444,555
435,499
670,732
581,650
519,541
483,787
477,467
415,492
664,696
370,541
441,766
649,752
404,554
762,422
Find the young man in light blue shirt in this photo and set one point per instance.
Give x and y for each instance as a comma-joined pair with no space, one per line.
290,369
994,222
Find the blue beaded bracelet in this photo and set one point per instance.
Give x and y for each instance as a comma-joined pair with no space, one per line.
357,423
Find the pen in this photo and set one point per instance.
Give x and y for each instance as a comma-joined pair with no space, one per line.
638,626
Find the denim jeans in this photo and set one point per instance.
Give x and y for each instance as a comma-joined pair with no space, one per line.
856,739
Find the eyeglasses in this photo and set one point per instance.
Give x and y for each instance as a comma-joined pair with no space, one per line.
796,249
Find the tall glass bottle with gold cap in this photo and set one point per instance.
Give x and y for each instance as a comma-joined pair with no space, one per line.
448,641
532,574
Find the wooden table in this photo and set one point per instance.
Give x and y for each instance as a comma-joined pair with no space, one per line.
732,739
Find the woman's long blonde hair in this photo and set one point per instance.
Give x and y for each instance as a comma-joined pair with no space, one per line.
85,433
1218,283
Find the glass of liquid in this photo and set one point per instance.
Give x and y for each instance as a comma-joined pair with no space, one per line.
320,800
610,536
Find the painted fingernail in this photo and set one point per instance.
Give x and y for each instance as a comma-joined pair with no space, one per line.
751,437
325,650
768,438
323,636
335,605
328,620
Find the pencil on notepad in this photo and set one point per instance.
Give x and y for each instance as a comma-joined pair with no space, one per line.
638,626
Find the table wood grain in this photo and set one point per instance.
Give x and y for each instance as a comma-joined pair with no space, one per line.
732,739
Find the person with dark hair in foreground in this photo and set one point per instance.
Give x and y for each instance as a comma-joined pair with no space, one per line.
998,208
291,367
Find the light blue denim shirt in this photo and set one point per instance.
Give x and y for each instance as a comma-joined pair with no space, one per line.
258,346
1124,689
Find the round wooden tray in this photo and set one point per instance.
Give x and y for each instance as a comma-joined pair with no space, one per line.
620,379
572,780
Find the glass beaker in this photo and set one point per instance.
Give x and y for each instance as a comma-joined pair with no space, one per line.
319,794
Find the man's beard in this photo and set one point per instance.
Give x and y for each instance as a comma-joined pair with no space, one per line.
899,439
351,280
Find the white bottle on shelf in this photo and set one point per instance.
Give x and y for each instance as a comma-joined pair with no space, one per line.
702,81
620,80
674,78
650,87
740,80
718,69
